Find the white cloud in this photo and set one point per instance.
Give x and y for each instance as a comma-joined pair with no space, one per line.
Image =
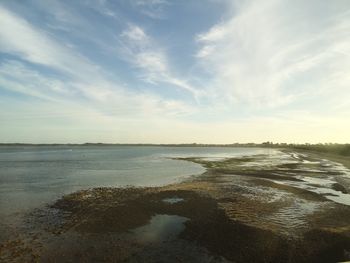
136,35
151,8
205,51
82,79
273,52
144,53
60,108
15,76
102,7
19,38
216,33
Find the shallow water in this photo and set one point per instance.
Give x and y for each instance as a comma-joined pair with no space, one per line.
34,176
287,212
316,176
161,228
173,200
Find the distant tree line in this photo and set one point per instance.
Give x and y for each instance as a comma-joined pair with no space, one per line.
341,149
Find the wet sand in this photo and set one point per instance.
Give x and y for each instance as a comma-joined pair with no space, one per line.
284,207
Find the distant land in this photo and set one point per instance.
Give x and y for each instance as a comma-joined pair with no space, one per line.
334,148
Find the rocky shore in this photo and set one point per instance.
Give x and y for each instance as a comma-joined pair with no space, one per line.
262,208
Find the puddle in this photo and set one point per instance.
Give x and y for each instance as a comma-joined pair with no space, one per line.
316,176
330,194
173,200
161,228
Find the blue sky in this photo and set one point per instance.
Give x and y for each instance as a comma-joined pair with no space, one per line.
162,71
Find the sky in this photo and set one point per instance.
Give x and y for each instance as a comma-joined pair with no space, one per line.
174,71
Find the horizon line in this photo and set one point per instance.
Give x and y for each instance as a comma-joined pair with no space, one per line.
267,143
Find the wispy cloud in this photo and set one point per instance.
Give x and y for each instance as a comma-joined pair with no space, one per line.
102,7
15,76
270,53
75,75
20,38
144,53
151,8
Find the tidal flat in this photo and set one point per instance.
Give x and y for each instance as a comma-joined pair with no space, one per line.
286,206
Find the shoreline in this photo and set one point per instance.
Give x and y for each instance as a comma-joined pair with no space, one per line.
344,160
231,212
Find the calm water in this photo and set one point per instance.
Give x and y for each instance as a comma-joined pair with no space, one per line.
34,176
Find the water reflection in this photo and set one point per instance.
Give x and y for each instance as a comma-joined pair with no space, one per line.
33,176
173,200
160,228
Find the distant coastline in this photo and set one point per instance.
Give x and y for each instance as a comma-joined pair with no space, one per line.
251,144
334,148
139,144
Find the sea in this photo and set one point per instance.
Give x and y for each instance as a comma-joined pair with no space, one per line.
34,176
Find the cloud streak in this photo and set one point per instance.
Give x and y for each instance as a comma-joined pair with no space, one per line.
270,53
144,53
79,77
21,39
151,8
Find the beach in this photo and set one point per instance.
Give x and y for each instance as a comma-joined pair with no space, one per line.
278,206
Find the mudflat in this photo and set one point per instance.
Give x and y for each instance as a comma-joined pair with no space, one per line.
283,207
